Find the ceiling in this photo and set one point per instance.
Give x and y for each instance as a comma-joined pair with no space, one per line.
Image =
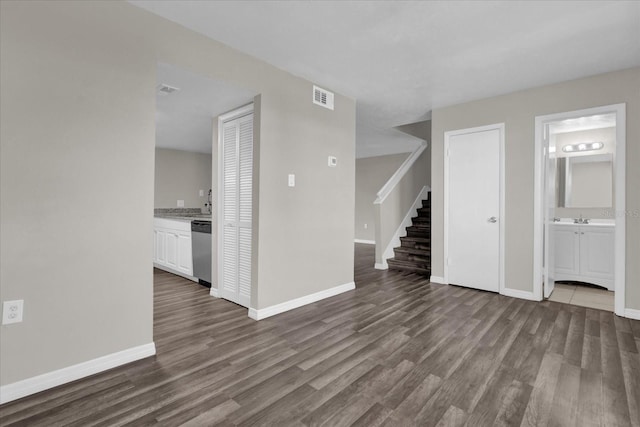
183,118
597,121
402,59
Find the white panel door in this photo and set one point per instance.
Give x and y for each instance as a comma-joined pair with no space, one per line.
549,281
236,209
474,209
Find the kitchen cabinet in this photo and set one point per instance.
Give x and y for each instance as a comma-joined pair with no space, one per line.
172,245
585,253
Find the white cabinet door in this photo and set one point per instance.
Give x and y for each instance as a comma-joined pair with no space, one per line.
172,250
596,252
185,260
161,244
567,250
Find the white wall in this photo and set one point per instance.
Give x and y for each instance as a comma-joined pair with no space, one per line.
77,170
371,174
518,111
180,175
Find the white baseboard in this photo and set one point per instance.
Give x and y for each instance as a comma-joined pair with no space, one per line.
177,273
406,222
632,313
438,279
58,377
214,292
381,265
366,242
263,313
515,293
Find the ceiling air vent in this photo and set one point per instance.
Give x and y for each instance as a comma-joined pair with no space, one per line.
164,89
323,97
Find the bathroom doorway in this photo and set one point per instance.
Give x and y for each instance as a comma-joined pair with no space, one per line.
579,239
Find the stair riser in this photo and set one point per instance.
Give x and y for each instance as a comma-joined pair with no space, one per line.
420,219
423,234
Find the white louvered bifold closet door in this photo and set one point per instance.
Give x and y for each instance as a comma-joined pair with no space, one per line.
237,169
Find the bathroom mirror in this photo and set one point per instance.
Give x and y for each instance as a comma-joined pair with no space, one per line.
585,181
582,151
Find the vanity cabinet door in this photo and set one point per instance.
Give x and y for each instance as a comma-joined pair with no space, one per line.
567,250
597,252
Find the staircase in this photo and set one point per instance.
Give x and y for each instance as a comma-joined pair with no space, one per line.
414,253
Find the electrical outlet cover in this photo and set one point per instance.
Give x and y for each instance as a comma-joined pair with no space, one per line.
12,311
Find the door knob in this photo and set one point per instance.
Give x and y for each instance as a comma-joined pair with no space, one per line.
493,219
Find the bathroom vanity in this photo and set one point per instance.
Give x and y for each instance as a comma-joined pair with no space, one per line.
585,252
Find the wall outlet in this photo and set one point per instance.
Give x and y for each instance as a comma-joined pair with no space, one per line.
12,311
201,192
365,226
292,180
181,203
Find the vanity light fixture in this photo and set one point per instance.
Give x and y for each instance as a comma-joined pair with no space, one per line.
583,146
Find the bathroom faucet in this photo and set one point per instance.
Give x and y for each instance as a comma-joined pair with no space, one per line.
581,220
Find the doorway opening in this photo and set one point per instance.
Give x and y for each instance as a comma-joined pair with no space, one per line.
186,170
579,253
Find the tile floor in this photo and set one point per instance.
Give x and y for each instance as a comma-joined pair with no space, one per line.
584,296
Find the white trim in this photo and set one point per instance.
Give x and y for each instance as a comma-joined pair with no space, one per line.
502,219
235,114
366,242
620,198
438,279
388,187
176,272
381,265
58,377
632,313
402,228
259,314
214,292
516,293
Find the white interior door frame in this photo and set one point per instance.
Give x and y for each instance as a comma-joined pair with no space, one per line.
447,136
227,117
620,196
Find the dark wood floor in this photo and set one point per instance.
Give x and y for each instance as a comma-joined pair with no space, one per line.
397,351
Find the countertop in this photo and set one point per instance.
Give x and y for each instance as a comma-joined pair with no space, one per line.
187,218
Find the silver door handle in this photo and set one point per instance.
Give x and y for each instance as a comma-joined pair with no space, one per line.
493,219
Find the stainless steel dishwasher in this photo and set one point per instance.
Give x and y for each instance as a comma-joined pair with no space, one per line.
201,251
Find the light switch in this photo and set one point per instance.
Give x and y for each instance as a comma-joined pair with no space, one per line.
201,192
292,180
333,161
181,203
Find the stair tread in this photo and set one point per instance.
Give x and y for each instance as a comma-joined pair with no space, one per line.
413,251
408,266
416,239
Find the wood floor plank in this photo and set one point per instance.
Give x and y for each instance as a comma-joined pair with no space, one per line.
396,351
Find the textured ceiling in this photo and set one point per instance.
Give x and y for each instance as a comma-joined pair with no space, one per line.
183,118
400,60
